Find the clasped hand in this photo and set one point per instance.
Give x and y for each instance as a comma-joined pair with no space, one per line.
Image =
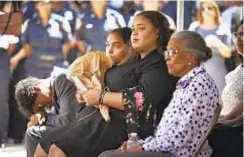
123,148
38,118
89,97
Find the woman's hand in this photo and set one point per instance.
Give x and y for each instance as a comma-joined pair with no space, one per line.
135,149
123,148
91,96
14,61
79,97
212,40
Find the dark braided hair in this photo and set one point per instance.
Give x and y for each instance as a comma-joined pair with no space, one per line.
160,22
26,96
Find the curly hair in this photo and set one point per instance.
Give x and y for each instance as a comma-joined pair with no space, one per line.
160,22
26,96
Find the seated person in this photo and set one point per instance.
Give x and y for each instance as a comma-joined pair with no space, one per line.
90,70
227,139
59,94
191,109
145,75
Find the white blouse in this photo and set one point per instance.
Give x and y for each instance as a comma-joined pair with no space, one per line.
232,93
187,117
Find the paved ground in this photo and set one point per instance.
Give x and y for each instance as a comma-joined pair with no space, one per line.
13,150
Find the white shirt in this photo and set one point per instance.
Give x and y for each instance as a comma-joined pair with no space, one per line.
5,40
187,117
232,94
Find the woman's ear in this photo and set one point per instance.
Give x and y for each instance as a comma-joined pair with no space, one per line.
158,33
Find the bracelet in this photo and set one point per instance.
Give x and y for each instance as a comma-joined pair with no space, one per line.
101,96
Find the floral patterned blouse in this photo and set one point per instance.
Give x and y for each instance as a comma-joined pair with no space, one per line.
187,117
145,102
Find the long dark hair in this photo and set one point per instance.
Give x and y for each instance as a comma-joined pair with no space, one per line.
125,34
160,22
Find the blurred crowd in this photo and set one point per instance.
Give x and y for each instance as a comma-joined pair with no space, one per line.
55,33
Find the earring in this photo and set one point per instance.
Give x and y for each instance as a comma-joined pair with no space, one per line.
189,63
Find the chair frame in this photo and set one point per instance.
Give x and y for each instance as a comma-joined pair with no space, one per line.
210,128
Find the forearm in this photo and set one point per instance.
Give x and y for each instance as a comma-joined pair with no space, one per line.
81,47
224,50
66,48
236,112
11,49
114,100
24,52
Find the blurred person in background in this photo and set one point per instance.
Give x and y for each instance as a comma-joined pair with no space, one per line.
217,36
169,8
28,9
68,11
64,10
45,43
230,11
6,42
95,24
232,16
155,5
227,138
128,10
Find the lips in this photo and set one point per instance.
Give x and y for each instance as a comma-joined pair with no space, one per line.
135,40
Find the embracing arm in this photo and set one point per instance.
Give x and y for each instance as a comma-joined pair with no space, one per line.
114,100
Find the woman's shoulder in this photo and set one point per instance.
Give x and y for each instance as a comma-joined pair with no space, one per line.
236,74
154,59
204,80
223,29
194,25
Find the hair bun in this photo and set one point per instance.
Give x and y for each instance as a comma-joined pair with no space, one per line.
208,53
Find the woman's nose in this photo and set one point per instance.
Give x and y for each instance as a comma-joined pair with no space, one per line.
110,50
166,57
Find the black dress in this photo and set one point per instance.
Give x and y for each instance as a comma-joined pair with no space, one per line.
90,134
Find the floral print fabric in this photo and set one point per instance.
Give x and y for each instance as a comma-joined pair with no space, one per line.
140,115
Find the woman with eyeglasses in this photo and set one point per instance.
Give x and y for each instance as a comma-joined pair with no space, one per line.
217,36
227,139
190,111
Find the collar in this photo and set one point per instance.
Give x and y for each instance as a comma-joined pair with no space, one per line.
185,80
39,21
138,57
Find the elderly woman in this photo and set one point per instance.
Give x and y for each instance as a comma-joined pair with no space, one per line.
191,108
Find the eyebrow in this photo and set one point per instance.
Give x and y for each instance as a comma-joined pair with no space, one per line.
138,25
116,42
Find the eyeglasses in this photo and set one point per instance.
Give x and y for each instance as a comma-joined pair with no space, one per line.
208,8
239,35
170,53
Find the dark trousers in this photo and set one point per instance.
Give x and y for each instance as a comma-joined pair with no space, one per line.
4,83
17,122
112,153
227,141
